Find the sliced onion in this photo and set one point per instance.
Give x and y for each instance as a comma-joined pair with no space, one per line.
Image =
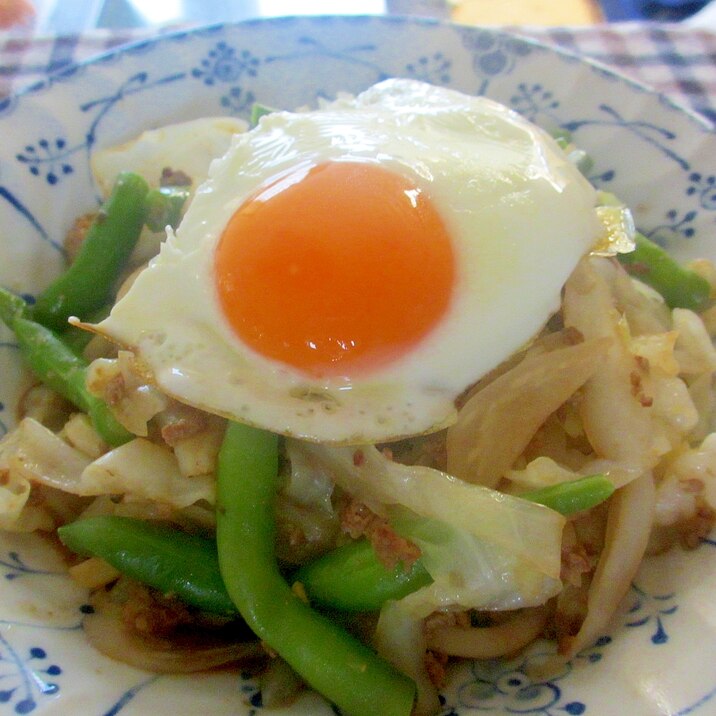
490,642
107,632
400,639
618,426
631,512
497,423
280,685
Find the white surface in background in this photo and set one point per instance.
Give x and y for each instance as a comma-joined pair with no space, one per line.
705,18
69,16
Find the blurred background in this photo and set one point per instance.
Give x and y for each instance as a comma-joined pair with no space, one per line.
72,16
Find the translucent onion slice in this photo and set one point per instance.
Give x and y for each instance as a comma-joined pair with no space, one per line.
399,638
619,427
497,422
108,634
631,513
490,642
138,468
529,532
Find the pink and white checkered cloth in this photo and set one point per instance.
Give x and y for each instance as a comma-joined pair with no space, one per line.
678,60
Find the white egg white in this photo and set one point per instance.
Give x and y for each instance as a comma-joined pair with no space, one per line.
519,214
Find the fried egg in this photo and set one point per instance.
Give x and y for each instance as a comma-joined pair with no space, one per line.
345,273
186,147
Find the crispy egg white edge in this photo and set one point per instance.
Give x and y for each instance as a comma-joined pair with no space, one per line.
520,215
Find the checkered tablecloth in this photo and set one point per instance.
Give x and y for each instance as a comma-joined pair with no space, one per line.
677,60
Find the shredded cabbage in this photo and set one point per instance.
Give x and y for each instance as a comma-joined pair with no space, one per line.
483,548
137,470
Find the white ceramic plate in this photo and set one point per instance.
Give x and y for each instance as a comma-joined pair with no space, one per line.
660,656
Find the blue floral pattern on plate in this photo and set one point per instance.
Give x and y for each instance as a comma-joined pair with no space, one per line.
659,158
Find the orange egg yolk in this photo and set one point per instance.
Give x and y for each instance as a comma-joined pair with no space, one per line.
336,269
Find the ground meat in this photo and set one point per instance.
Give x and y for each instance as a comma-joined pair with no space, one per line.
391,548
184,423
115,390
357,520
637,390
149,613
575,562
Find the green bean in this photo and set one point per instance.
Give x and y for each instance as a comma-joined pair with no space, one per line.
345,671
352,578
679,286
577,156
573,496
159,555
163,207
12,306
59,367
258,110
563,137
52,362
88,282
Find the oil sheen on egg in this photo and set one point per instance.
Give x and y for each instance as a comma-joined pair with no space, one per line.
345,273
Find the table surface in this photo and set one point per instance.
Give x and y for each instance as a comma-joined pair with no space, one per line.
676,59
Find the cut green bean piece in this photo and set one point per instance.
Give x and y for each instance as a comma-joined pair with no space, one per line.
60,368
158,555
581,160
562,136
258,110
573,496
88,282
577,156
352,578
163,207
104,422
679,286
337,665
52,362
12,306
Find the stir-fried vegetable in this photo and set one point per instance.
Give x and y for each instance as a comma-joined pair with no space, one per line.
353,579
573,496
59,367
163,207
258,110
11,307
337,665
350,578
681,287
88,282
479,548
160,556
